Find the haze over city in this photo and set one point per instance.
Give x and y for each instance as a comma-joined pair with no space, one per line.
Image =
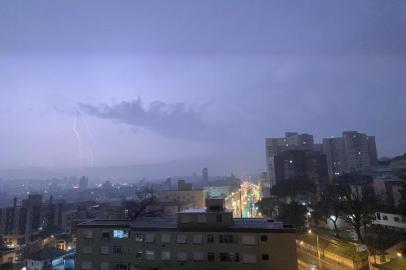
137,88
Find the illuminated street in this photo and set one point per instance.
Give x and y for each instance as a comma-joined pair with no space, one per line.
243,200
308,261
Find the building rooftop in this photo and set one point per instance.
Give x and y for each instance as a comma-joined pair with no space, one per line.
170,223
46,253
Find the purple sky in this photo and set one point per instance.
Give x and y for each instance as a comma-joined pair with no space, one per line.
194,83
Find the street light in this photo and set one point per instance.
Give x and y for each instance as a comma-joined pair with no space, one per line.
318,246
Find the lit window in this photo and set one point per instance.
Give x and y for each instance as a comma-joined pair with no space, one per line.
120,234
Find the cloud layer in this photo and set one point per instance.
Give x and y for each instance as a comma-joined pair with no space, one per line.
176,120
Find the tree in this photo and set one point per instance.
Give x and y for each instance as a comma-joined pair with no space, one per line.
143,205
293,187
359,205
330,206
402,191
293,213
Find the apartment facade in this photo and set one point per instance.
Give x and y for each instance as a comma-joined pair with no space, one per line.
353,152
195,239
184,195
291,141
296,164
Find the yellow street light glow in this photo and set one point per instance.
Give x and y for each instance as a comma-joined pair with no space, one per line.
399,254
309,231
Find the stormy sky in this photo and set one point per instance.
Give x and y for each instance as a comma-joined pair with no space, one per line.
190,84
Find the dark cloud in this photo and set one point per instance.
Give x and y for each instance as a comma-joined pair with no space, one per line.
176,120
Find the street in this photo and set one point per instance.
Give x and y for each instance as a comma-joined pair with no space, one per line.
308,261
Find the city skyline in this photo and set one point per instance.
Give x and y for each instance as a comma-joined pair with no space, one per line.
194,85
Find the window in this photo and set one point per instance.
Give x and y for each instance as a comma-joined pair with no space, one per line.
88,234
385,217
264,238
105,235
165,238
210,238
229,257
396,219
198,256
104,266
119,250
120,234
197,239
87,250
149,255
210,256
139,237
182,256
119,266
219,218
227,238
248,240
225,257
378,216
202,218
185,218
165,255
249,258
149,238
86,265
181,239
265,257
139,255
104,250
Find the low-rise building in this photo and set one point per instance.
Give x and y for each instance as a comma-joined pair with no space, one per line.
196,239
7,256
391,220
184,195
45,258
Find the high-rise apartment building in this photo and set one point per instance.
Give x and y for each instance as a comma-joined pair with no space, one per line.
83,183
353,152
197,239
299,164
291,141
205,175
